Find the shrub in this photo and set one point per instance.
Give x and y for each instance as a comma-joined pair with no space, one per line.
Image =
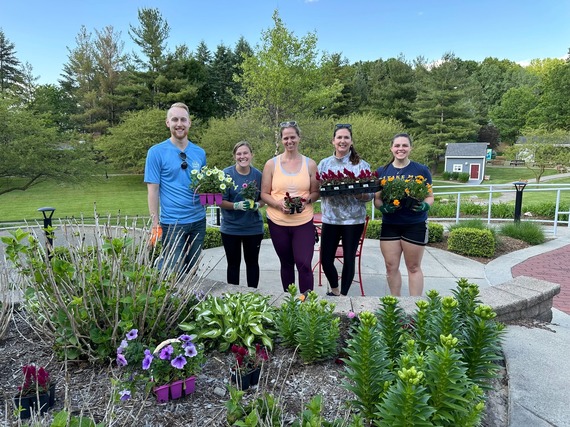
213,238
473,208
502,210
529,232
440,210
237,318
472,242
86,298
477,223
454,176
373,229
463,177
435,232
446,176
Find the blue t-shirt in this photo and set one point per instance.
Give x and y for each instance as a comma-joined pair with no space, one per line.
178,203
404,215
241,223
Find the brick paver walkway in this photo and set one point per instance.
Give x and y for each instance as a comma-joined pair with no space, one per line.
554,267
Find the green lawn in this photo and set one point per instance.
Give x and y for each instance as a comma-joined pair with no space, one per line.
124,194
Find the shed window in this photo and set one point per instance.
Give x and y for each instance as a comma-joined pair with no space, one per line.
458,168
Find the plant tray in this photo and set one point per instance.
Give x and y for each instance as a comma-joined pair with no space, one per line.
355,188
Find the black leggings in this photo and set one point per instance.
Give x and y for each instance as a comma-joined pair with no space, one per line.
330,237
251,247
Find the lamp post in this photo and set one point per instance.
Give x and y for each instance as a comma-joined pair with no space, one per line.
519,186
48,213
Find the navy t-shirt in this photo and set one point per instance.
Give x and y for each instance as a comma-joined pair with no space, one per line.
405,215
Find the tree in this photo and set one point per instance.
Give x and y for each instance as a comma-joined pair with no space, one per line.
442,112
55,105
141,129
32,152
511,114
282,78
542,149
11,75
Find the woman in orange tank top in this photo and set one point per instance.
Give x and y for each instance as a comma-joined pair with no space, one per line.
287,176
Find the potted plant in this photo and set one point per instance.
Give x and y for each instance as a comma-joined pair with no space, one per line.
417,189
37,392
348,182
393,190
294,203
171,366
249,191
210,183
248,364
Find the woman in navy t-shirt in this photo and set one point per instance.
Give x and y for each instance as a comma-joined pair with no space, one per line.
404,227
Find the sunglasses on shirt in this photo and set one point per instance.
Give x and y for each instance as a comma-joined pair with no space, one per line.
183,165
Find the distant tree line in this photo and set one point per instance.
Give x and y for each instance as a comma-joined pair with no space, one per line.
111,103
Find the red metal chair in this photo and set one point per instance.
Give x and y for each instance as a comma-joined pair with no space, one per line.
317,220
339,255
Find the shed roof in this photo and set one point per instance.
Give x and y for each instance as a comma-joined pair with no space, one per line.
466,149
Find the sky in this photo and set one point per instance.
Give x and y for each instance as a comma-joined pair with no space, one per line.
361,30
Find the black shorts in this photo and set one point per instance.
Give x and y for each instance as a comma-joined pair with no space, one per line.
416,234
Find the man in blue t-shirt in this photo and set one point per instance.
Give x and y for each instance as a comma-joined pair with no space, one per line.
182,218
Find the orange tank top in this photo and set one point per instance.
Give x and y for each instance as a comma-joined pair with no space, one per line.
296,184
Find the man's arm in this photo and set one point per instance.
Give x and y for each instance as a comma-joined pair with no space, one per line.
153,202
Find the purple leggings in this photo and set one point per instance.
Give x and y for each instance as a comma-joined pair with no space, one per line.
294,246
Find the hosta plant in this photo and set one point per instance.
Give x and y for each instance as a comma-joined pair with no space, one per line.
237,318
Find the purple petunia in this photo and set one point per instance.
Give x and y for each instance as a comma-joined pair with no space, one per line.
178,362
148,357
351,314
186,339
190,350
121,360
167,352
122,347
125,394
132,334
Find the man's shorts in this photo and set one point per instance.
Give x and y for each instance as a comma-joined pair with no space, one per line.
416,234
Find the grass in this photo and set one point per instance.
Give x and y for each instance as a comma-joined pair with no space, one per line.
526,231
119,194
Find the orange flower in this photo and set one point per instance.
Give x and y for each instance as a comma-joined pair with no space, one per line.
396,202
302,297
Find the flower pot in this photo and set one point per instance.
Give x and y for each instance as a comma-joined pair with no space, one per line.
242,381
176,389
254,376
26,403
42,403
298,209
203,199
162,393
189,385
292,210
411,202
217,198
51,395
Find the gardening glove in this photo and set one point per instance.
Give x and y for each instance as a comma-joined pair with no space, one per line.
241,206
388,209
155,235
421,207
255,206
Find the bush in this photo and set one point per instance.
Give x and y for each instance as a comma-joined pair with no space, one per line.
473,209
463,177
435,232
440,210
213,238
86,298
472,242
446,176
472,223
502,210
529,232
373,230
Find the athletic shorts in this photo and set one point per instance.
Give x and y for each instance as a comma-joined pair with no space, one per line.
416,234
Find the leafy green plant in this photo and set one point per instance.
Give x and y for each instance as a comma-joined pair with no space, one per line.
473,208
235,318
85,298
472,242
436,366
435,232
6,300
502,210
66,419
529,232
367,365
373,229
463,177
264,410
314,327
213,238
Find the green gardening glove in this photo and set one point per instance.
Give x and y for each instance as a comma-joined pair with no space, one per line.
388,209
421,207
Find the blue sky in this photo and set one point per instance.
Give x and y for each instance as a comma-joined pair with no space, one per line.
519,30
